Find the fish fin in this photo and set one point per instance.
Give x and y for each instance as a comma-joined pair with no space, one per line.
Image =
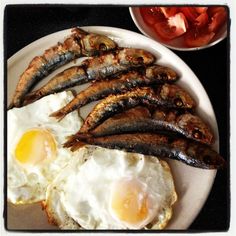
59,115
77,145
11,105
70,141
73,139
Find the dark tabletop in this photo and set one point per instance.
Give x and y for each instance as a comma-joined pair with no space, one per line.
25,24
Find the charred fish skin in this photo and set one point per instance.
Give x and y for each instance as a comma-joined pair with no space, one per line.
121,60
114,104
187,151
138,120
164,96
71,77
119,123
95,69
152,75
76,45
99,90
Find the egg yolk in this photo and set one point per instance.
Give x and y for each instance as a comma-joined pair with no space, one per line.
35,146
129,202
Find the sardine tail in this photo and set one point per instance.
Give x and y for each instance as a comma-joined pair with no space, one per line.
30,98
59,115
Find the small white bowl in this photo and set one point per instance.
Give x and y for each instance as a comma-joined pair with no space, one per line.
176,44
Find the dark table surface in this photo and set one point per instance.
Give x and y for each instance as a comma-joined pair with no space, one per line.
25,24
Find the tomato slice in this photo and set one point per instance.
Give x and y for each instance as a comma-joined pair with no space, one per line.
196,38
201,10
171,28
202,20
147,15
212,10
190,13
168,11
151,15
217,20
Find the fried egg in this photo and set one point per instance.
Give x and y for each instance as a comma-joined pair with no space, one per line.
35,147
111,189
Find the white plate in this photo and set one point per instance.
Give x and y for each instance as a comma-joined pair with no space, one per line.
192,184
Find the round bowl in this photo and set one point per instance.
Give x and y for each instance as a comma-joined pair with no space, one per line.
178,43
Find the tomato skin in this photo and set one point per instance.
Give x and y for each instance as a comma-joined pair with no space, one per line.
172,28
197,39
201,10
151,15
202,20
212,10
168,11
147,15
189,13
164,31
217,20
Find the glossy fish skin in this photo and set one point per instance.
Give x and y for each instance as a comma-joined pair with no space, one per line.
139,119
71,77
167,95
117,61
152,75
79,43
185,150
94,69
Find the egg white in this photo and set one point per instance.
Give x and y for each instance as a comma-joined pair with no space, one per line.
79,196
28,183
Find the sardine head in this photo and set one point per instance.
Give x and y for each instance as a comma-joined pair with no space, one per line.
161,72
177,96
135,57
93,44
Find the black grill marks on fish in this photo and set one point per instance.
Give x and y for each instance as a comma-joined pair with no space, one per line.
185,150
165,96
78,44
96,68
151,75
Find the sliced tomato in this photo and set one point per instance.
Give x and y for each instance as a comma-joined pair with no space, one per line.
190,13
147,15
217,20
168,11
212,10
201,10
202,20
179,22
194,38
150,15
172,28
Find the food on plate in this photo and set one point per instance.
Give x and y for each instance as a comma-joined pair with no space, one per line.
35,147
188,151
95,68
151,75
140,119
197,25
166,95
111,189
79,43
82,185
